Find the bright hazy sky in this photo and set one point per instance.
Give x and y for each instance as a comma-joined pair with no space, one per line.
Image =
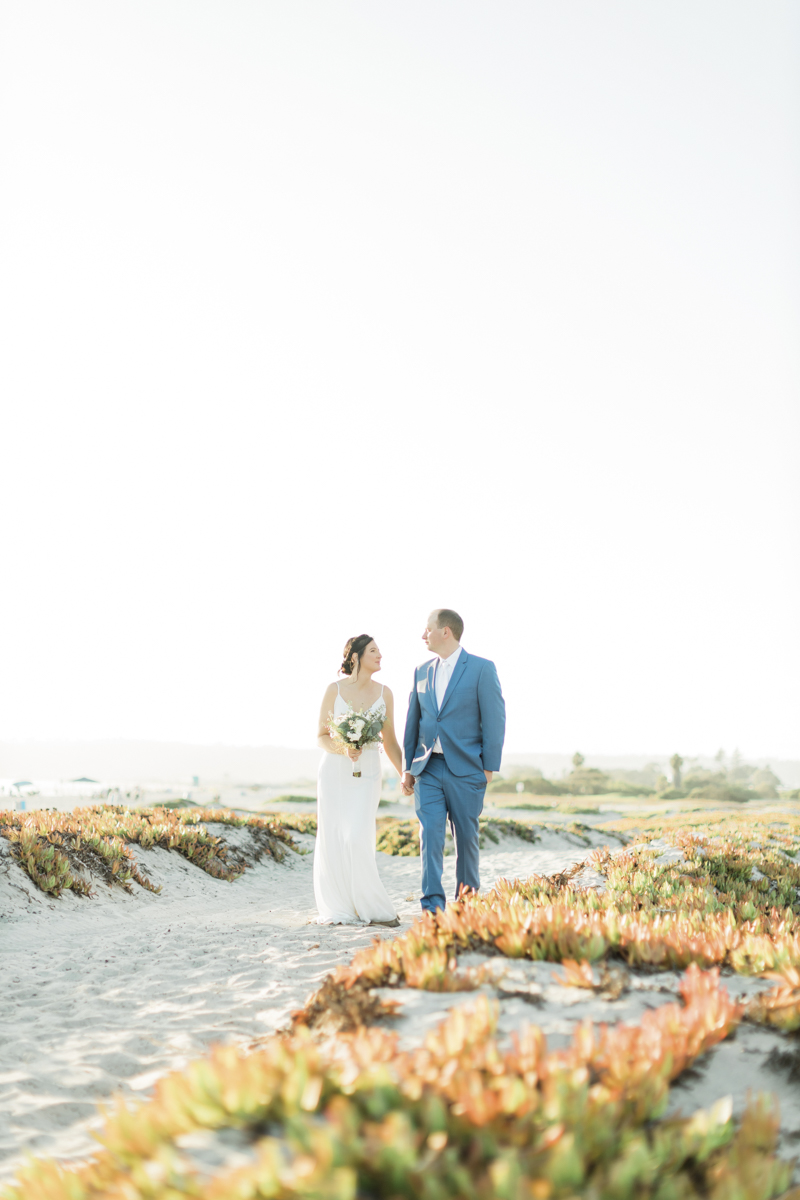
320,315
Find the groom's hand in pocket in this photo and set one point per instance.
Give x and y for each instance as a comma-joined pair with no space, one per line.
488,775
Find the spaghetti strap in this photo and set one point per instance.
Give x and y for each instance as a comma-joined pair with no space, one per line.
337,688
381,695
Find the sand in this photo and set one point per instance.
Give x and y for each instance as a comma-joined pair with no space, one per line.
103,996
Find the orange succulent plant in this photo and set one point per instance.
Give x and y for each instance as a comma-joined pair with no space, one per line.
55,848
351,1115
456,1119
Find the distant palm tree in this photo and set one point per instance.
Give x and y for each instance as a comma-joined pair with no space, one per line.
676,762
577,761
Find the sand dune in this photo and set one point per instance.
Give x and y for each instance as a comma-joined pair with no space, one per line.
105,995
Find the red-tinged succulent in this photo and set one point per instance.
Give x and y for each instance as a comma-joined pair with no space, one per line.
401,837
456,1119
577,974
350,1115
780,1007
651,915
55,849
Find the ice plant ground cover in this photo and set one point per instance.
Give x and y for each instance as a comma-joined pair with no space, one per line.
400,836
64,850
729,899
479,1105
356,1116
58,850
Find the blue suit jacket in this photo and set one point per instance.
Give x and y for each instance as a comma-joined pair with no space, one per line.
471,724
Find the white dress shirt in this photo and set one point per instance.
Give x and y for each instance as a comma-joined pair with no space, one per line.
444,673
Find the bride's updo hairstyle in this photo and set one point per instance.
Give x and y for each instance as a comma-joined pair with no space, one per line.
353,651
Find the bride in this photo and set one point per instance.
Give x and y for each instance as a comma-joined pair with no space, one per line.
347,886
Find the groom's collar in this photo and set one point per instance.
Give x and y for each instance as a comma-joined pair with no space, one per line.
452,658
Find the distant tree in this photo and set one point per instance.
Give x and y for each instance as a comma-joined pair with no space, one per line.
719,758
577,761
676,762
765,782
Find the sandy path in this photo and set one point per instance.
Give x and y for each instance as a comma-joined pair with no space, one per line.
107,994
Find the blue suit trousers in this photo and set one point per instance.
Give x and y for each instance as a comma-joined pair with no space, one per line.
439,797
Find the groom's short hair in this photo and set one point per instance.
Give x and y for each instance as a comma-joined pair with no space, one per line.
450,618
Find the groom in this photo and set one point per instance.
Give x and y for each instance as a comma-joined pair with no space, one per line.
453,741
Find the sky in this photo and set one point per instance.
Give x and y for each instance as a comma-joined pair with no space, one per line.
319,316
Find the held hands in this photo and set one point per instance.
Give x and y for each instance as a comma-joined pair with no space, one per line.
407,782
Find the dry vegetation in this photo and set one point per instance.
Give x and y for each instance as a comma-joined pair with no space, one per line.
58,850
62,851
335,1109
401,836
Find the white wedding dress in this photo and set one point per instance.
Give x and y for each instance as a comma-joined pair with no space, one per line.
347,887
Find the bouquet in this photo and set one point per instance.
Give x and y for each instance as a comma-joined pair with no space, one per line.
356,729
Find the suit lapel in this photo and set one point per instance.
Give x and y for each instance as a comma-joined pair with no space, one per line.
432,683
455,679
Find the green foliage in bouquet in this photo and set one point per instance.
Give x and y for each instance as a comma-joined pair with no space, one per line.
355,730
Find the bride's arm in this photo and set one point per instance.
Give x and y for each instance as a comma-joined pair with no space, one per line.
389,740
324,740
